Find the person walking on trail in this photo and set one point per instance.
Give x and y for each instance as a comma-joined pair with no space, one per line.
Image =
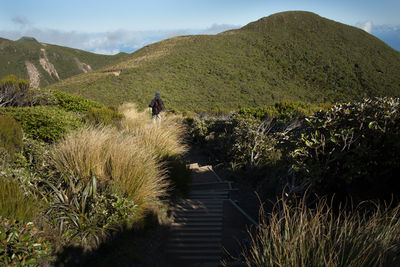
156,106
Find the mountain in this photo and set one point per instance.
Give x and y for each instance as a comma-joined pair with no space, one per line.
44,64
294,55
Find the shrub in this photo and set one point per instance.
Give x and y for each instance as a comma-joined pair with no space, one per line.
40,97
10,136
351,150
239,140
74,103
13,91
284,111
252,143
21,244
296,235
36,154
103,116
45,123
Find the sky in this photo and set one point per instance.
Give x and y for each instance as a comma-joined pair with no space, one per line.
112,26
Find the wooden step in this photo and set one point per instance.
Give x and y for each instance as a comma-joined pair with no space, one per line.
196,240
197,229
195,251
176,224
196,234
192,245
198,219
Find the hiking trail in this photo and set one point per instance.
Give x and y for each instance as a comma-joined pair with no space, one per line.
196,234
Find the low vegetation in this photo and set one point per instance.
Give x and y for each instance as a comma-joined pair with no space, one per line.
45,123
351,149
15,202
294,234
22,244
346,153
10,139
84,172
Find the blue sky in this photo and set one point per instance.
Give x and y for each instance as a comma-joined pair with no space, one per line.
115,25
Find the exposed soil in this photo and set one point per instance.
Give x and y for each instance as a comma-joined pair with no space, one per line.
46,64
34,75
83,66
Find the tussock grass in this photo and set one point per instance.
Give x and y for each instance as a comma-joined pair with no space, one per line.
15,204
117,159
164,139
295,235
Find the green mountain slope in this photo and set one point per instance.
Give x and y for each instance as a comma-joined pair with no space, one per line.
289,55
45,64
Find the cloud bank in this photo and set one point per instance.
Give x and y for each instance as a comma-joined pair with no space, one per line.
109,43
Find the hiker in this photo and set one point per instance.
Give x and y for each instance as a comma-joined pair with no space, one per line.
156,106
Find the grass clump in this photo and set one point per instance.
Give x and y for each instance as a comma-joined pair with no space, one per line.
164,139
10,137
116,159
15,203
296,235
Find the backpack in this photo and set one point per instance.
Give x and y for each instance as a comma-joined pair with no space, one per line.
157,107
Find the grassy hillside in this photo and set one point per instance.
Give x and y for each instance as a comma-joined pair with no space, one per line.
52,63
289,55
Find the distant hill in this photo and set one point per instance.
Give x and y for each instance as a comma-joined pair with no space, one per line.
291,55
45,64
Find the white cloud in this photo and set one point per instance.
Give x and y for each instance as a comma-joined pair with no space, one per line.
218,28
110,42
366,26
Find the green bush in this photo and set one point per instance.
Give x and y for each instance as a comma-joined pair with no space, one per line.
13,91
103,116
45,123
239,140
285,110
36,154
351,150
10,136
15,203
40,97
253,143
21,244
74,103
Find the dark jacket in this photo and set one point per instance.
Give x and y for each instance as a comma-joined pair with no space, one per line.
155,109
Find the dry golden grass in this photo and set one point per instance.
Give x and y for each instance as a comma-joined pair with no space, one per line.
164,138
295,235
117,159
127,159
